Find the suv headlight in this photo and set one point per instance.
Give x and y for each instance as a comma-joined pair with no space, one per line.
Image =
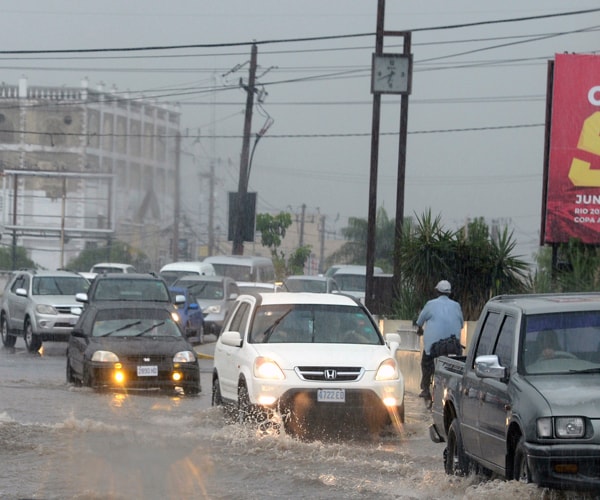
214,309
561,427
45,309
267,369
388,370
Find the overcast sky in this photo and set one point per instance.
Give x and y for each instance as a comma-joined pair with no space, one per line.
476,112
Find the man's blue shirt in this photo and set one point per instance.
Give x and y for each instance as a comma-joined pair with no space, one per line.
442,318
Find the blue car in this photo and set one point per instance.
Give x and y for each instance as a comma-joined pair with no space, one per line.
192,319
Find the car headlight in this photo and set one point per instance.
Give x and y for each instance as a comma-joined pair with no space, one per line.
45,309
388,370
184,357
214,309
561,427
175,316
268,369
105,357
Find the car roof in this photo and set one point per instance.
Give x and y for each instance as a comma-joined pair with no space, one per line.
201,278
307,298
128,276
60,272
355,269
308,277
549,302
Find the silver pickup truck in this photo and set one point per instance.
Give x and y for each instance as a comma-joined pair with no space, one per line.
524,403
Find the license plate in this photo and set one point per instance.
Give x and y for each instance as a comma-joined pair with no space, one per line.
147,371
331,395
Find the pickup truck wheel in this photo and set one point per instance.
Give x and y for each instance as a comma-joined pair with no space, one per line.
456,461
521,470
8,340
32,341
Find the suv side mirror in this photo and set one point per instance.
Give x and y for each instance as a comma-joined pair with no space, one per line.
489,367
81,297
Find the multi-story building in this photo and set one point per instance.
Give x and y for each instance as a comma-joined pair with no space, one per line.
84,167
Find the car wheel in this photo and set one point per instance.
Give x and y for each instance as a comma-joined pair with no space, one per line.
244,407
521,470
32,341
8,340
217,399
71,378
456,461
193,389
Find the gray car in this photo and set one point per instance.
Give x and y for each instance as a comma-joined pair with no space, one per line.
40,306
214,294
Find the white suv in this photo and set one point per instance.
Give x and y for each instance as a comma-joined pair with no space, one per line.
307,358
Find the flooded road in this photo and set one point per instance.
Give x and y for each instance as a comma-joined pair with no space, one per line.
58,441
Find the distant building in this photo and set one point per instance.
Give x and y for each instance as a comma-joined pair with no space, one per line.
84,167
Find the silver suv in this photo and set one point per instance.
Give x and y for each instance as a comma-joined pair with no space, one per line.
40,305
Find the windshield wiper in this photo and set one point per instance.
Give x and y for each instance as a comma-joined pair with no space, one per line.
150,328
124,327
267,333
586,370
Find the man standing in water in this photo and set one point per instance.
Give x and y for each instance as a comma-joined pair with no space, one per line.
443,319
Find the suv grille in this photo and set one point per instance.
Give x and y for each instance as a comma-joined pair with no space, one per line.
330,373
146,358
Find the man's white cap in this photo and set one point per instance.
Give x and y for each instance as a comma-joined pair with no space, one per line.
443,287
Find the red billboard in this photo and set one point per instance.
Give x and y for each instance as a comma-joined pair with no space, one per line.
572,191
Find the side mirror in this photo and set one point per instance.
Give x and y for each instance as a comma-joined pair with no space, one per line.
82,297
233,339
21,292
393,341
78,334
179,299
489,367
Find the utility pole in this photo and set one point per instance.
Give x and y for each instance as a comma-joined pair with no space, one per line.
322,252
238,219
301,241
177,208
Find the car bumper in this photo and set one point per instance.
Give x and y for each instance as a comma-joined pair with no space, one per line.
565,466
144,376
363,403
54,327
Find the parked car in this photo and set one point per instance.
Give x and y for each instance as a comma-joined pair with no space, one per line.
40,306
131,345
309,358
306,283
253,287
190,314
214,294
524,402
175,270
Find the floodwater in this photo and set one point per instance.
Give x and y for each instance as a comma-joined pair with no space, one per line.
63,442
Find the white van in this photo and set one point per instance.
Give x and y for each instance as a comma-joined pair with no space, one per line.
174,270
112,267
352,279
243,267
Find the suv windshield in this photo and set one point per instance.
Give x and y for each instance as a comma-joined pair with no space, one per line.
110,323
58,285
313,323
131,289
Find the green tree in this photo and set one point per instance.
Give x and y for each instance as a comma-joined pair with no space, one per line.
117,252
21,259
354,250
272,231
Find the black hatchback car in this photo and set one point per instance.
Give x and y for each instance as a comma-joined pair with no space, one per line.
131,345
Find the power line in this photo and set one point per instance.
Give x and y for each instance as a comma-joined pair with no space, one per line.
293,40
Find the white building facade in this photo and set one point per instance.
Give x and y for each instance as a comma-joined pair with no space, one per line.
84,168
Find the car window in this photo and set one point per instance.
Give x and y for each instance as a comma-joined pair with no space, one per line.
313,323
506,340
124,323
58,285
488,335
132,289
240,318
208,290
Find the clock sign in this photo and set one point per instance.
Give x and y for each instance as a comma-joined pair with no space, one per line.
390,74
